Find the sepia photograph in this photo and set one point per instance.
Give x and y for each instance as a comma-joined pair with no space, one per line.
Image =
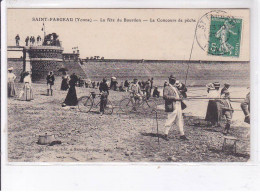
128,85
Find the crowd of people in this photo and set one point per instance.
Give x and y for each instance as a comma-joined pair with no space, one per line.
174,94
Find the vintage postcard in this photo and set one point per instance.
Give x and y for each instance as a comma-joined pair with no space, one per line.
128,85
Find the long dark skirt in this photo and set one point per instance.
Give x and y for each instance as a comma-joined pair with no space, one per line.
64,84
214,112
11,89
71,98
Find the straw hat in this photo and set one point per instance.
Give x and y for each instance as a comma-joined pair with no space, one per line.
10,68
210,86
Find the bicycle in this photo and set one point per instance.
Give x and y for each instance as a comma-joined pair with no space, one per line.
127,105
87,103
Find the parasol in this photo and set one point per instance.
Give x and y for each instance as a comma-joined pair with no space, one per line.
63,69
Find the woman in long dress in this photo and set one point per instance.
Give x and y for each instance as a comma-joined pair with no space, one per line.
71,98
213,114
65,81
27,93
10,84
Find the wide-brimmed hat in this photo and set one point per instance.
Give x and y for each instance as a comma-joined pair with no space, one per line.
210,86
135,78
172,77
178,83
226,84
10,68
216,84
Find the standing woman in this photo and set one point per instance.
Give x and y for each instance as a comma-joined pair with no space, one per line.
65,81
27,93
11,77
213,114
71,98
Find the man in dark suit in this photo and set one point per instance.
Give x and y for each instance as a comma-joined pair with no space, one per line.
104,90
172,99
17,39
50,82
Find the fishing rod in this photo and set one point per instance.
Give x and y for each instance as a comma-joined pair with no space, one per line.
211,98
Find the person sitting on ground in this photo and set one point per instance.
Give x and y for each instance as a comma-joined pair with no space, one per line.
121,87
104,90
156,92
136,93
182,88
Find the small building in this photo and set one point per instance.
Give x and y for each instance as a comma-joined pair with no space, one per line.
71,56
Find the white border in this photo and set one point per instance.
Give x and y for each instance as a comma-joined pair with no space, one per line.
119,176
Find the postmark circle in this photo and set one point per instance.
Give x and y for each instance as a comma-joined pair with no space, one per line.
203,28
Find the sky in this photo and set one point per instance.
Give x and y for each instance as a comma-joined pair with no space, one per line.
150,39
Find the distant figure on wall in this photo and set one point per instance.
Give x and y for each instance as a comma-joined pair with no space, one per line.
17,39
50,82
11,87
27,92
65,81
71,98
31,40
27,41
39,39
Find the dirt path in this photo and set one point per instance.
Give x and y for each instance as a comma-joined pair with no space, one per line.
89,137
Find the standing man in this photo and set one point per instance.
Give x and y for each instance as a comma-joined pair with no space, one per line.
227,111
245,106
126,85
173,107
27,41
136,93
147,89
17,39
31,41
50,82
39,39
152,83
104,90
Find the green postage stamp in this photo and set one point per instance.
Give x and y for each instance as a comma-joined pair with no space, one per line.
225,36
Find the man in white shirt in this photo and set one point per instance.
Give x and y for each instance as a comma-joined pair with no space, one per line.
136,93
173,100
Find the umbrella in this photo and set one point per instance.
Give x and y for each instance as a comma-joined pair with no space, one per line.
63,69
